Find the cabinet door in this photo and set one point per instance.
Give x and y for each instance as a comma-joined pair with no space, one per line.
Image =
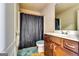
69,53
48,49
48,46
59,51
71,45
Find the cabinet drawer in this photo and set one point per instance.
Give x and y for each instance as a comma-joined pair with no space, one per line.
71,45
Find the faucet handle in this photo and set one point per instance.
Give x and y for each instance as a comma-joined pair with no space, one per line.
66,33
62,32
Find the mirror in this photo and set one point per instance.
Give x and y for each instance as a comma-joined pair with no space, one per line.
66,16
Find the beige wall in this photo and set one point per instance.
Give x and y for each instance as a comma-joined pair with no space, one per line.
30,12
78,20
49,16
69,18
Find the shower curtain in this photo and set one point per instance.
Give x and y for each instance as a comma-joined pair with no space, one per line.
31,30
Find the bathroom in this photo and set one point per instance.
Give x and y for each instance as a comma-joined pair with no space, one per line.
59,20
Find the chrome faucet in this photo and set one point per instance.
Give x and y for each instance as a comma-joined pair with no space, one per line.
64,32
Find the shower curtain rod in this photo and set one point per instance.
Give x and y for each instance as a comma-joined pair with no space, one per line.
30,12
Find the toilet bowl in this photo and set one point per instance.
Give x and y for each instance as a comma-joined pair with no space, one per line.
40,45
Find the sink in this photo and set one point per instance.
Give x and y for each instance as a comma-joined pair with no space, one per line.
65,32
68,33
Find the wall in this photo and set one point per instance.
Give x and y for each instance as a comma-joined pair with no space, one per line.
78,20
10,28
30,12
2,27
69,18
23,9
49,17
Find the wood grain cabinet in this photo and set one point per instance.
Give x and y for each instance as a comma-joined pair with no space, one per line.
71,45
56,40
56,46
48,47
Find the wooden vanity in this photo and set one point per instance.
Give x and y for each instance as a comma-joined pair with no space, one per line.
57,46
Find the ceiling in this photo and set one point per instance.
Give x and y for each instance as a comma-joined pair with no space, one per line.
60,7
33,6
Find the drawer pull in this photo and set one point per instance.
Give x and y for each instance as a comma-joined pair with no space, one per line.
69,45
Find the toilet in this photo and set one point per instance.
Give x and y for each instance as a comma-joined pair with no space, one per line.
40,45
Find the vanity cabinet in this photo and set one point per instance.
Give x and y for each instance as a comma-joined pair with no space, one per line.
56,46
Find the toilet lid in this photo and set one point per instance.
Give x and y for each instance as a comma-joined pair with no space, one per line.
41,42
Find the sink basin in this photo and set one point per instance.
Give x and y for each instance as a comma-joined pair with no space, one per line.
65,32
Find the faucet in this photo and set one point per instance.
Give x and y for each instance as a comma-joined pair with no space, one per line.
64,32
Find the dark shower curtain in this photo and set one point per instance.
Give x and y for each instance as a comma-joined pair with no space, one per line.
31,30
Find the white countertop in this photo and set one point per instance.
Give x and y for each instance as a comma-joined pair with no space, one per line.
70,37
